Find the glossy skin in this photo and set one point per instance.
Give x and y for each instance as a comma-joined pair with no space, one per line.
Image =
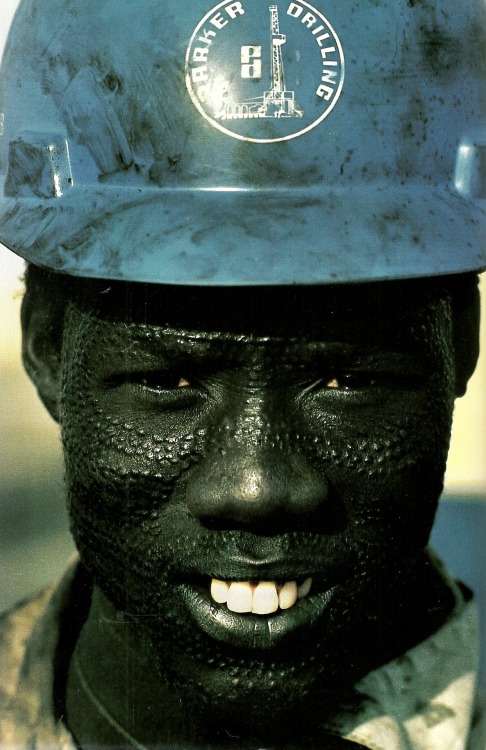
256,438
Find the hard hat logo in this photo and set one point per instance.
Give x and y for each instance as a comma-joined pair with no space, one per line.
264,73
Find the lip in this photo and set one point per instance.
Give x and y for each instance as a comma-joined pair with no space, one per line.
245,568
252,631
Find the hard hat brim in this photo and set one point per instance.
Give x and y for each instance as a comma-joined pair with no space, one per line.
249,237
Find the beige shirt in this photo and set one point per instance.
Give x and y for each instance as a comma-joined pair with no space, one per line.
424,700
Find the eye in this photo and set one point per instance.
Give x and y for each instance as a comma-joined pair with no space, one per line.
352,380
157,381
151,380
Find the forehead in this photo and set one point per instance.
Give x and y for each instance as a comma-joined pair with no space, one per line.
368,313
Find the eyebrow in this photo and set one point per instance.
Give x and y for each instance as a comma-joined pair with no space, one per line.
153,339
153,342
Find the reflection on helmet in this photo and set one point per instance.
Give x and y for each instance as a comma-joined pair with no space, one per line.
237,143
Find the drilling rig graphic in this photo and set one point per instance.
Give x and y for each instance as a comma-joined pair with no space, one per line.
278,101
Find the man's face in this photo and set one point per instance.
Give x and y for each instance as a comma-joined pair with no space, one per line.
258,436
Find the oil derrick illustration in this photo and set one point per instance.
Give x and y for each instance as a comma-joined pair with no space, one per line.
277,101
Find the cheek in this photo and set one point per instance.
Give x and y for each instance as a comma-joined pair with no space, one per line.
121,467
112,447
379,446
120,476
385,469
106,451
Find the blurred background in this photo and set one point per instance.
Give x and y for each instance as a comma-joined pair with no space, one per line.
34,538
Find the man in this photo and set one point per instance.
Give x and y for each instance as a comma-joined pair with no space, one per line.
254,447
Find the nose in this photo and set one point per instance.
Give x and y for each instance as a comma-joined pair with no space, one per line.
255,482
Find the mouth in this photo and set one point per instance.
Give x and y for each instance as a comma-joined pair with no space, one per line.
255,614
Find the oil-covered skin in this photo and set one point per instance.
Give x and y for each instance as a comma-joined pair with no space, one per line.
307,441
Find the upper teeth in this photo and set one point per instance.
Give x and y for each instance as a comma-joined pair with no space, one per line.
261,598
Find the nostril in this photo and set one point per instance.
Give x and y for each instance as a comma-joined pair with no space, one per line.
254,486
329,517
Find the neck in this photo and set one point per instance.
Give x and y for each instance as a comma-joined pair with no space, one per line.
113,689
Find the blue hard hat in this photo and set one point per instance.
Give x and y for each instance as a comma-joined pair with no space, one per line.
238,143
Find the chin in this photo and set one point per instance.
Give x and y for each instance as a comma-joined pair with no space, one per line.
249,698
228,691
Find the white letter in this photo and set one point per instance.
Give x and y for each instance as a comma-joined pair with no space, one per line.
328,76
199,75
309,20
200,54
295,10
325,51
234,9
218,21
325,92
206,37
252,71
249,52
251,64
321,38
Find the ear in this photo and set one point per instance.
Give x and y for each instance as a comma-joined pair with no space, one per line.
41,352
465,321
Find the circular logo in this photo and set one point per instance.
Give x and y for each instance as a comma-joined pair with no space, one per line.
264,72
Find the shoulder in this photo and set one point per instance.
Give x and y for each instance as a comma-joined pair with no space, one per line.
477,737
16,627
29,637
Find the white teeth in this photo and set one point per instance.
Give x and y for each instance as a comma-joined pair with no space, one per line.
263,598
219,591
303,590
288,595
240,597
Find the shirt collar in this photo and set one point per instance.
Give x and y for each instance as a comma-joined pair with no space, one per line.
424,699
421,701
